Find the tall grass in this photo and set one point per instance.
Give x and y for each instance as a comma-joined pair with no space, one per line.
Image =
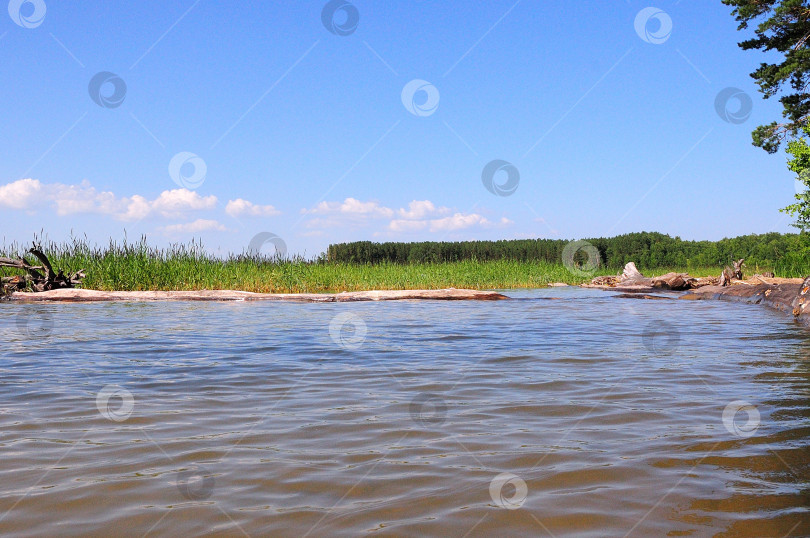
138,266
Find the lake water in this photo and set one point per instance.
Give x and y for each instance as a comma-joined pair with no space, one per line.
563,412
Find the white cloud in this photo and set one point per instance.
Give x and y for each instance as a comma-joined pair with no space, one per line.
352,207
21,194
417,209
458,222
175,202
402,225
420,209
239,207
84,198
199,225
420,215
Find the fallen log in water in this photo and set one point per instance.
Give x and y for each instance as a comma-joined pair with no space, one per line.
632,281
787,295
644,296
80,295
790,295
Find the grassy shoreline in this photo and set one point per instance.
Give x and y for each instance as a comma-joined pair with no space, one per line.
139,267
189,267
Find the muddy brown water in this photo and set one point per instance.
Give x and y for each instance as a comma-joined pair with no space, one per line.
586,416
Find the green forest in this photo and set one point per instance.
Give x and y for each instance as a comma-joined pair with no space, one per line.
650,250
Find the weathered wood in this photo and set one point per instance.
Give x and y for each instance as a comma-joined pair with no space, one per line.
801,304
81,295
730,274
641,296
35,279
43,259
631,272
787,296
603,281
633,280
725,277
9,262
674,281
706,281
738,265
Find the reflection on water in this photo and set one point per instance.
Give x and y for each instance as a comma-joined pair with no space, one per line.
588,416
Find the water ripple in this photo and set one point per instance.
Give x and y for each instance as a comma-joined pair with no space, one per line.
604,416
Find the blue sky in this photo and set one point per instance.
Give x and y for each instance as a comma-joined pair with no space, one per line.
287,127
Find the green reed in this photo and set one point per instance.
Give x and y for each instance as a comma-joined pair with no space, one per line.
138,266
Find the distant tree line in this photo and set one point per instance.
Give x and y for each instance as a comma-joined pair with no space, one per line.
647,249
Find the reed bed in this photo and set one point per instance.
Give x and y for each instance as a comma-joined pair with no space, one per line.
140,267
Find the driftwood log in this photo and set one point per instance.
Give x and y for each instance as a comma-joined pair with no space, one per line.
38,278
631,279
791,295
81,295
631,272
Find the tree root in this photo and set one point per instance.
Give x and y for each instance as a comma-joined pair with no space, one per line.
37,277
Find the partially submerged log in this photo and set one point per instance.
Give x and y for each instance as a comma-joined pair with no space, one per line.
81,295
642,296
38,278
790,295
